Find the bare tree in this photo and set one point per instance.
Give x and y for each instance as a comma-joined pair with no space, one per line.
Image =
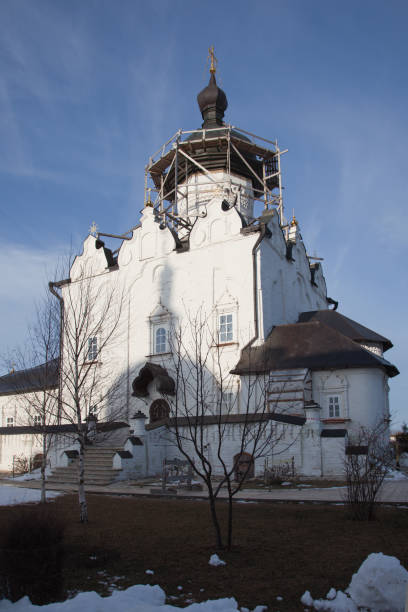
35,381
368,458
207,398
91,307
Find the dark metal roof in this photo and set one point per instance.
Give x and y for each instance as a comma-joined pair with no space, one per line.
147,374
345,326
212,98
44,376
35,429
333,433
58,429
213,419
135,441
292,419
311,345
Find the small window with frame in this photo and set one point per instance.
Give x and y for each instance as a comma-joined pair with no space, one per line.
10,422
92,353
160,339
334,406
37,420
225,328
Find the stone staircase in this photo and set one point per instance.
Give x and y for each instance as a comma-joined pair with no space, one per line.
98,468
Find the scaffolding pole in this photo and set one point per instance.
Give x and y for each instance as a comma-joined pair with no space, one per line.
167,159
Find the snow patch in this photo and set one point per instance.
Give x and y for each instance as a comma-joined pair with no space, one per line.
379,585
11,496
216,561
331,594
138,598
34,475
307,599
395,475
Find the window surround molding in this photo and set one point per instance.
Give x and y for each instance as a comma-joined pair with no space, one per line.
334,385
159,319
226,306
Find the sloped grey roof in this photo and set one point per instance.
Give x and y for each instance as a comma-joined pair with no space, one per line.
59,429
44,376
311,345
345,326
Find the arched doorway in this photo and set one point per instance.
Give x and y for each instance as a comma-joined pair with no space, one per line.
243,466
159,410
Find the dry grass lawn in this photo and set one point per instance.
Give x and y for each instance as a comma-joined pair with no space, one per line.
281,549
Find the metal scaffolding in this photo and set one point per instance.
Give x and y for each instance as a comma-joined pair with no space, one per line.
169,169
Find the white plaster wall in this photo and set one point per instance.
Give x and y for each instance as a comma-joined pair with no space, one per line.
215,274
27,445
364,393
132,467
200,189
285,445
333,456
285,288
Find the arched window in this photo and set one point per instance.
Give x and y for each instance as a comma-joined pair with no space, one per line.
160,344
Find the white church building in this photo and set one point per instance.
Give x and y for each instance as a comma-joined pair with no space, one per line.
213,246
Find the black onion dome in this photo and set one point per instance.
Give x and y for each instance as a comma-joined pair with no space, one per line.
211,152
212,102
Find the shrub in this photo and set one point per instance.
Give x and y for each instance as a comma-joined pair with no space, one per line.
21,465
31,557
276,474
367,460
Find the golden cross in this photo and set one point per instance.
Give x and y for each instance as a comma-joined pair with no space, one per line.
93,230
214,61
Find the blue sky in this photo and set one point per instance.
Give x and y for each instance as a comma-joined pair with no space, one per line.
88,90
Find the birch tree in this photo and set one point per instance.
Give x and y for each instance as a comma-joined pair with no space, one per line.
90,333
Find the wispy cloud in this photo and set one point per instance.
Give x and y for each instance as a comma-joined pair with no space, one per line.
45,53
26,272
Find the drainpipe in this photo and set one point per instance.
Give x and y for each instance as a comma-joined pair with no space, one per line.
52,287
263,232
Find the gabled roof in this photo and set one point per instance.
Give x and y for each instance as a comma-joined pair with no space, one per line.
44,376
311,345
345,326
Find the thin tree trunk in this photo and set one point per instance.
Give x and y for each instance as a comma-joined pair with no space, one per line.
229,541
214,517
43,465
83,506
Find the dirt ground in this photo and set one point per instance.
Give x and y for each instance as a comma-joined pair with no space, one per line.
280,549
